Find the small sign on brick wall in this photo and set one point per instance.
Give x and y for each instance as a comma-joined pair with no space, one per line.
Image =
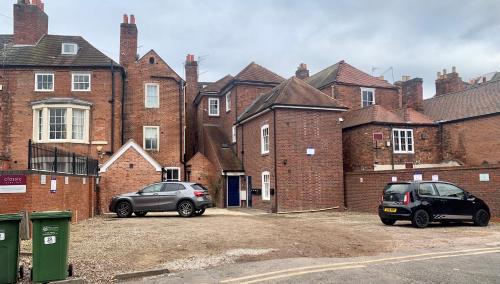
435,178
53,184
417,177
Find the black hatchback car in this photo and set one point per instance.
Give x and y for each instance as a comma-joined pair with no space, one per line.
422,202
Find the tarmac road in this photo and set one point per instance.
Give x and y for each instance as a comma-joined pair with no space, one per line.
474,265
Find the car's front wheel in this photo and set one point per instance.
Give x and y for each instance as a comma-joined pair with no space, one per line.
199,212
124,209
140,213
420,219
186,208
481,218
388,222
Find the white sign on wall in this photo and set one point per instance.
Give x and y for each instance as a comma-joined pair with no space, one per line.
12,183
53,184
435,178
310,151
394,179
417,177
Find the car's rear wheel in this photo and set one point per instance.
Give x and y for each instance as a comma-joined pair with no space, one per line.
124,209
199,212
185,208
388,222
140,213
481,218
420,219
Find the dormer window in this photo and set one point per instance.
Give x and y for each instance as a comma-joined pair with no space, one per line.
69,48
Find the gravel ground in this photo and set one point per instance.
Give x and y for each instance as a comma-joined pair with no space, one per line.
102,247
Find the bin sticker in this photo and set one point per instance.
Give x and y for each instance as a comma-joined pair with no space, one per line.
50,240
2,236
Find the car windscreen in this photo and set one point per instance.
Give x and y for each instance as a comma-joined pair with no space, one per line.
395,192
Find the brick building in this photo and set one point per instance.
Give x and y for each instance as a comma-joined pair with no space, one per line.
59,91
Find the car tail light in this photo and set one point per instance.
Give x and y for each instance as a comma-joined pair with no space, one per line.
406,199
199,194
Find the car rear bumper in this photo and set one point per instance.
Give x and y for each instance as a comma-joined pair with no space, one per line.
203,204
400,214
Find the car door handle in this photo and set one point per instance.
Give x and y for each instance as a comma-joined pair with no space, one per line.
155,193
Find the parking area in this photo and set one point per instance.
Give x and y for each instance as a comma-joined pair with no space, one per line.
103,247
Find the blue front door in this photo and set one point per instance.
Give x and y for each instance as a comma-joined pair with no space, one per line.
233,191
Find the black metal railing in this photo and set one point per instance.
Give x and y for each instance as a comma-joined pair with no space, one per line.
53,159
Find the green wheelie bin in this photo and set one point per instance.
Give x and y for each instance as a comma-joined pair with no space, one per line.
9,248
50,246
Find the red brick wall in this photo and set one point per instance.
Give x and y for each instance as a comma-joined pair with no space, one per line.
308,182
253,161
74,196
17,113
202,171
365,196
361,152
128,173
473,141
350,96
168,116
30,23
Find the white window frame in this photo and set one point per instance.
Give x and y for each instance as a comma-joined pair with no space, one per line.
263,148
45,127
146,95
228,101
218,106
75,48
173,169
73,81
399,151
53,82
144,137
372,90
266,186
233,130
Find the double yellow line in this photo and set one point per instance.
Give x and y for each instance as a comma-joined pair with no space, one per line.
298,271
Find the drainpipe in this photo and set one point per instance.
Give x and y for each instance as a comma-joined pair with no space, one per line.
392,147
124,76
112,107
182,154
275,164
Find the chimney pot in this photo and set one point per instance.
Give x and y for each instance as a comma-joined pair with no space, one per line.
381,77
439,74
125,19
454,69
132,19
444,71
484,79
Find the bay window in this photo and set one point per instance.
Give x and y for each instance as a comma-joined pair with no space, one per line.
63,123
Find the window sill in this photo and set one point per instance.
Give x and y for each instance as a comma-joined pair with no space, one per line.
44,91
264,154
213,115
404,153
81,91
61,141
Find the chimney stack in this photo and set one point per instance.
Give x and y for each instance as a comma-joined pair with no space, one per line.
302,72
413,93
449,83
128,41
191,91
30,22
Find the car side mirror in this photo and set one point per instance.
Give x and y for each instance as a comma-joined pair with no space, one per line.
139,192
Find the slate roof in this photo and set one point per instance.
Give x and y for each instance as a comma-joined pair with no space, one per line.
344,73
379,114
47,52
478,100
218,85
226,158
292,92
256,73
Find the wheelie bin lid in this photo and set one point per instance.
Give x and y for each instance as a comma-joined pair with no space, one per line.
10,217
50,215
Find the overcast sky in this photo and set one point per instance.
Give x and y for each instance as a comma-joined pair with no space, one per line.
415,38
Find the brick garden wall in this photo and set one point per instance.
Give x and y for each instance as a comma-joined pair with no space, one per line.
364,189
76,196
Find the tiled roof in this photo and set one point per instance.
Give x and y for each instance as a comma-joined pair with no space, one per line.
218,85
292,92
379,114
344,73
47,52
256,73
226,158
478,100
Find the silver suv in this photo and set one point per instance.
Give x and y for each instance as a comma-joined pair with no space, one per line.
187,198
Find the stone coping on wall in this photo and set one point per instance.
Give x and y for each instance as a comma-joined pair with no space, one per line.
35,172
441,169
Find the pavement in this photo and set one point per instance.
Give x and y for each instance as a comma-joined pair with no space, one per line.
479,264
